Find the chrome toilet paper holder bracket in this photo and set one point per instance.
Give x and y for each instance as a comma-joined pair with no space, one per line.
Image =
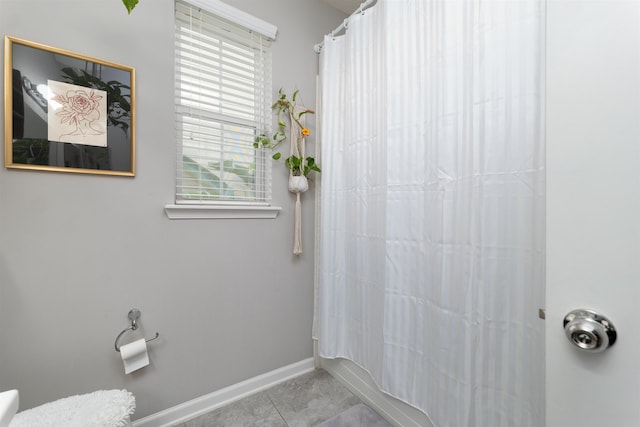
134,315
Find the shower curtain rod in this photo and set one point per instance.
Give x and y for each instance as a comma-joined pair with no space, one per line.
318,48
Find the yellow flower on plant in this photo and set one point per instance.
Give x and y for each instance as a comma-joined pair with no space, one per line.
305,132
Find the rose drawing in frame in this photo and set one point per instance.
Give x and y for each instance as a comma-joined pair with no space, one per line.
67,112
77,114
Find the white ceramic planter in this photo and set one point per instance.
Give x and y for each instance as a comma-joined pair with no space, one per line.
298,184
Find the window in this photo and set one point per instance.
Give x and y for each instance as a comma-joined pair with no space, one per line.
223,98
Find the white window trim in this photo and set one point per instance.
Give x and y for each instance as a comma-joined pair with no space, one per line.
225,211
237,16
185,211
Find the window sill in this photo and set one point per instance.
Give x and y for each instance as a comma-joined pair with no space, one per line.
221,212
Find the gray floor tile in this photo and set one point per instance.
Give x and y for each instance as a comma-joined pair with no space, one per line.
304,401
356,416
310,399
252,411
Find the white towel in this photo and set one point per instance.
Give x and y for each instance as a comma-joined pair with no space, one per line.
102,408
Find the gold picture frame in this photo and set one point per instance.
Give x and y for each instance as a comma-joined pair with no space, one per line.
67,112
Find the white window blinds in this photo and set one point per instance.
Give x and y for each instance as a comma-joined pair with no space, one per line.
223,90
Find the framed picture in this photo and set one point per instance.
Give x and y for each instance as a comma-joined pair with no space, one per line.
67,112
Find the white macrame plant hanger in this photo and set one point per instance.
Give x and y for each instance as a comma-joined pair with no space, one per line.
297,184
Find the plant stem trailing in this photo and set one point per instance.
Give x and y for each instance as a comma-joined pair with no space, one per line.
285,108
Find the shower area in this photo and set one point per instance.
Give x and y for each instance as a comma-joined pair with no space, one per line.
431,248
480,185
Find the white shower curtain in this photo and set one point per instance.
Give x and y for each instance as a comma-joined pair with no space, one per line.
431,207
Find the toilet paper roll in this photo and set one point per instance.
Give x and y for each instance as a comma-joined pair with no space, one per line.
134,356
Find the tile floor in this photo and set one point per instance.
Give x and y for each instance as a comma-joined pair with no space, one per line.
304,401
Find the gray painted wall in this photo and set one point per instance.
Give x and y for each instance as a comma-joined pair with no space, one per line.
78,251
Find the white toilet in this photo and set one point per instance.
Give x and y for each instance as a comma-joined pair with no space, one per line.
9,401
103,408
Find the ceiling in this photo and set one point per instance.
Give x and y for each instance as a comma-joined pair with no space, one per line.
346,6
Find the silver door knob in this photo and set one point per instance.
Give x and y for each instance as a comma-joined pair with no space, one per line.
589,331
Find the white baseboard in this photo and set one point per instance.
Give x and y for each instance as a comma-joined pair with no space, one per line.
359,382
209,402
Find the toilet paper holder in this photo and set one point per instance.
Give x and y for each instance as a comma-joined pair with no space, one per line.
134,315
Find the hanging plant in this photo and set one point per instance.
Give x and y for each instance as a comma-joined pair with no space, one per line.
298,164
287,110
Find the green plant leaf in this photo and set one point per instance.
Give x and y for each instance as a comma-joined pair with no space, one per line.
294,164
130,4
295,94
276,156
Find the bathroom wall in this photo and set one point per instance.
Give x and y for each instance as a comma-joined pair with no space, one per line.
78,251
